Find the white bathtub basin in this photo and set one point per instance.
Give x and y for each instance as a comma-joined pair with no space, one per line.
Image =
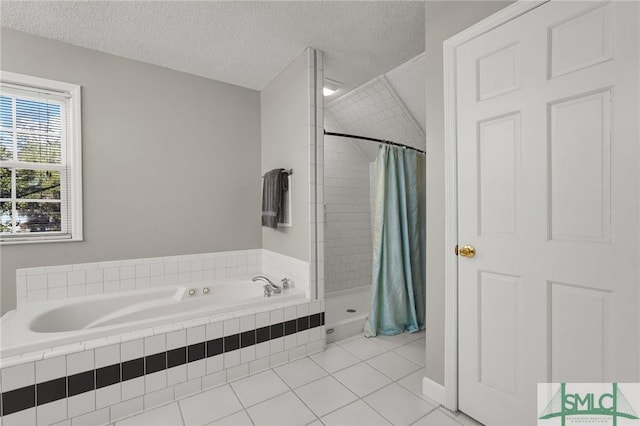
42,325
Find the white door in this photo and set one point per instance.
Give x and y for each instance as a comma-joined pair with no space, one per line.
548,159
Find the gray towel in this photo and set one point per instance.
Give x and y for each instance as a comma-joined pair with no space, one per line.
274,185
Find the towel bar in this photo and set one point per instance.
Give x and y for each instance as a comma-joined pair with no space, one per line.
287,171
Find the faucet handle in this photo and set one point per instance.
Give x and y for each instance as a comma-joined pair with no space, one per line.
285,283
268,291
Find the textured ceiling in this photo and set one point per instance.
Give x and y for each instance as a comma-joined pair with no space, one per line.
238,42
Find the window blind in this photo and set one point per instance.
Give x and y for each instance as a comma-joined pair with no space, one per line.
35,166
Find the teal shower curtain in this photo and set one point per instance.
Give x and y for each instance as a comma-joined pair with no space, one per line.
399,275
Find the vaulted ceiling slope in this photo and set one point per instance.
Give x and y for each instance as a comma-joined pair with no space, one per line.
246,43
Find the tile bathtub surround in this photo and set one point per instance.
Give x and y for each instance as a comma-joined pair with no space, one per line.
279,265
66,281
88,381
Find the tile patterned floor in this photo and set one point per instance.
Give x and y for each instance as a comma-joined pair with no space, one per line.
356,381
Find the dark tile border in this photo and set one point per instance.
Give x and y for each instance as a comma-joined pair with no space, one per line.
86,381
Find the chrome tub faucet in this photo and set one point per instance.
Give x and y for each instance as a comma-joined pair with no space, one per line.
286,284
269,288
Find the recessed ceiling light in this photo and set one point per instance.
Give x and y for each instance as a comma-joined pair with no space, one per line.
327,92
330,87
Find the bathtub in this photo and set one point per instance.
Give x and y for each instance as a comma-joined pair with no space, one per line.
346,312
42,325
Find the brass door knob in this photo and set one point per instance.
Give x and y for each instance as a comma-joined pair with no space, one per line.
467,251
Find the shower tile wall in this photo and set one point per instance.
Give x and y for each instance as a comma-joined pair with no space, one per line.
348,244
376,110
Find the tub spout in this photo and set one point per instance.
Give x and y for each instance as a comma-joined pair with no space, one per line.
276,289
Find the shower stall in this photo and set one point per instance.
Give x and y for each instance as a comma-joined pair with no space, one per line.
376,110
348,198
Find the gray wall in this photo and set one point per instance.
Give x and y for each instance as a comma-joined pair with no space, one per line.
171,161
443,20
285,107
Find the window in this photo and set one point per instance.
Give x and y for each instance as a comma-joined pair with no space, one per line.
40,160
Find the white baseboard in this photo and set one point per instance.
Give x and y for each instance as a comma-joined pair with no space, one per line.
433,390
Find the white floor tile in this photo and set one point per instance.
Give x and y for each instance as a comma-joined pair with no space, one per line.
449,413
210,405
355,414
334,359
463,419
436,418
393,365
241,418
398,405
414,351
392,342
325,395
362,379
300,372
364,348
283,410
168,415
260,387
413,383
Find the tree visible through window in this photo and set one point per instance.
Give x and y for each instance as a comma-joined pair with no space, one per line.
36,174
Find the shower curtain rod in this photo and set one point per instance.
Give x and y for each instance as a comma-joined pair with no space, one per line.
365,138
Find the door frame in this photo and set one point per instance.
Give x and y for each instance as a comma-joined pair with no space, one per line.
451,185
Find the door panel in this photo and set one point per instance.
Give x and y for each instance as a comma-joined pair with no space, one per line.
498,72
548,194
578,320
579,168
499,142
499,352
592,28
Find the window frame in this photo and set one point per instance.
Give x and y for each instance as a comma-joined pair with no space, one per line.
74,158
